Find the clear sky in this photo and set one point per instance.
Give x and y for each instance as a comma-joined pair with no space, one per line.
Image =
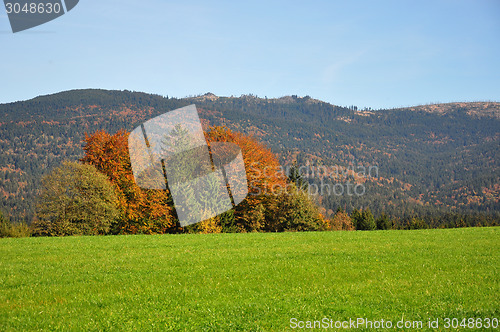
365,53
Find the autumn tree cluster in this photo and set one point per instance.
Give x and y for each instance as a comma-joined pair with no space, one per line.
99,195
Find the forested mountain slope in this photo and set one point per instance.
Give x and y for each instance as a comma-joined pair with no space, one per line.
432,158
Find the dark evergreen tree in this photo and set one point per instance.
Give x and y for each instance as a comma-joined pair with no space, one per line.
356,217
367,222
294,176
383,222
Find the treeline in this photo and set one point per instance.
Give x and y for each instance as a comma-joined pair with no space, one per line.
99,196
363,220
341,221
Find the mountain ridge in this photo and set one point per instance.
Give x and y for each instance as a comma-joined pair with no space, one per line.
481,108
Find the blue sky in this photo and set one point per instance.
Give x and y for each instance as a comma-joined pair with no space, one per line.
367,53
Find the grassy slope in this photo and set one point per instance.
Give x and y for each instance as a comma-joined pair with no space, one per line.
247,281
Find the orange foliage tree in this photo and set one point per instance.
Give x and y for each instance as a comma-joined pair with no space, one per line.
264,173
273,204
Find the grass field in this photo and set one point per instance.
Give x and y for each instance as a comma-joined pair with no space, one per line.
248,282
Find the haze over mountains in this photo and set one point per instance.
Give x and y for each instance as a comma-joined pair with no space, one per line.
429,159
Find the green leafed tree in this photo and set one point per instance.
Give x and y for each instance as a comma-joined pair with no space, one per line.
75,199
292,210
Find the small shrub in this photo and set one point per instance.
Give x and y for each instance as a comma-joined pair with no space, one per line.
341,222
8,229
417,223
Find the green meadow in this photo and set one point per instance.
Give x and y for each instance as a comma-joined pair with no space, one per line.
248,282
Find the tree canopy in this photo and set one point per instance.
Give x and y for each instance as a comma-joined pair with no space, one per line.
76,199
